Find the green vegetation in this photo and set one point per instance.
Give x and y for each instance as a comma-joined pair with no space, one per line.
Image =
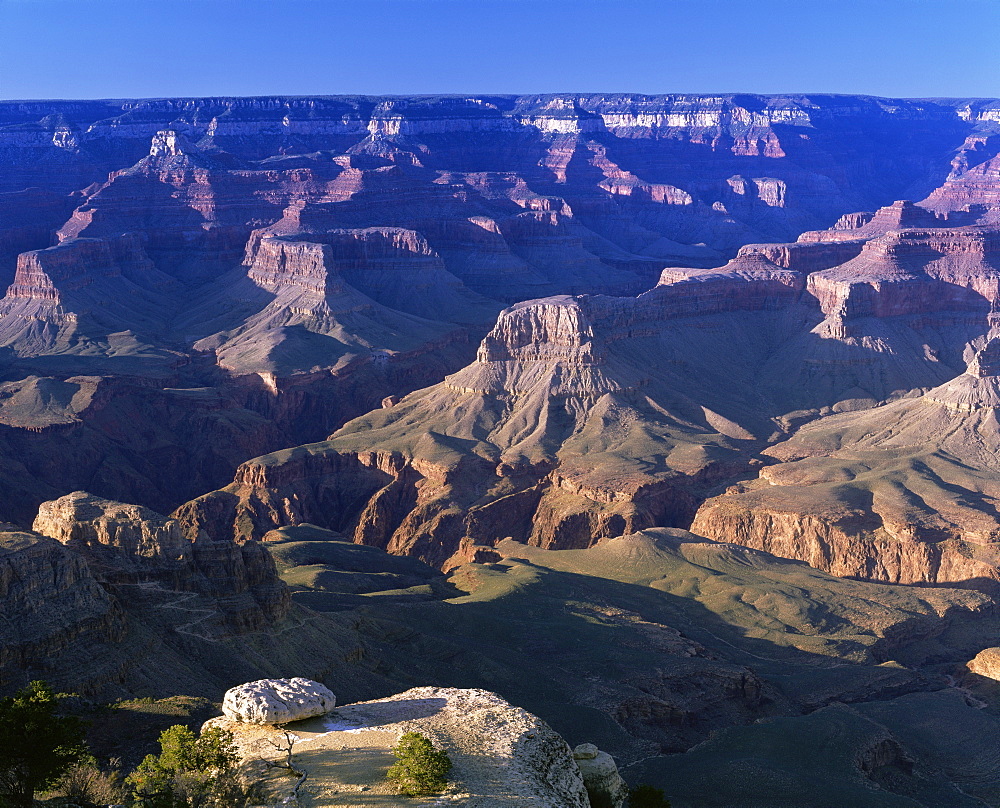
419,768
647,796
88,784
128,730
37,745
191,771
42,750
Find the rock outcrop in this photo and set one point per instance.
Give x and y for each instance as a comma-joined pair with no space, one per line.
277,701
55,610
914,271
511,445
293,312
901,214
904,492
396,267
80,519
605,786
89,303
502,755
986,663
128,544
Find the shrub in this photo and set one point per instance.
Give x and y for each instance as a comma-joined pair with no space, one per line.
419,768
37,745
86,783
647,796
191,771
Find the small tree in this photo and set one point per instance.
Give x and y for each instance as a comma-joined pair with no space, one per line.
37,745
191,771
647,796
419,768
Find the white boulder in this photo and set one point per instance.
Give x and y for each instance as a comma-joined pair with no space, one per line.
277,701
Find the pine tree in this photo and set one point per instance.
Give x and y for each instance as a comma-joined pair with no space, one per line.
419,768
37,745
191,770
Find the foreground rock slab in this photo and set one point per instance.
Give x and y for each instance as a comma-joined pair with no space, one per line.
277,701
503,756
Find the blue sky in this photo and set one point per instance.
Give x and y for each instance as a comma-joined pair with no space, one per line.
146,48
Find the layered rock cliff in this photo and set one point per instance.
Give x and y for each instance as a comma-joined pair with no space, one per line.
129,544
547,436
54,607
88,298
551,435
654,175
394,266
904,492
291,311
560,434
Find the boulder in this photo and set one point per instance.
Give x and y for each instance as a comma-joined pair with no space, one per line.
277,701
604,784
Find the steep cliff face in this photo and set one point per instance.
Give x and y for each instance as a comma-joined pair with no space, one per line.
291,311
493,231
903,493
131,545
394,266
914,271
115,601
88,299
805,256
900,214
54,608
972,190
99,368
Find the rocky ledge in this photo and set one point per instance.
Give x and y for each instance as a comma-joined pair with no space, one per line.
502,755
